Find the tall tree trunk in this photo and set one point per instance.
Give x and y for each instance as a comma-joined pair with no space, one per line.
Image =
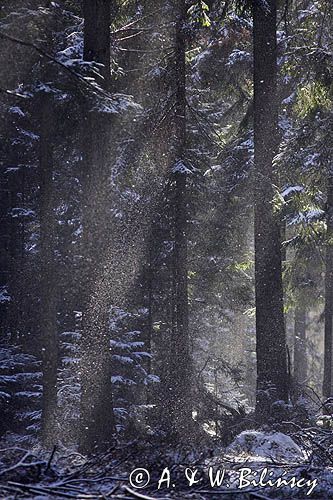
4,254
148,281
300,359
180,385
11,256
97,417
14,274
327,383
48,294
97,17
270,328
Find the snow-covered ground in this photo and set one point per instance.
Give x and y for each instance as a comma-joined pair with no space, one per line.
256,464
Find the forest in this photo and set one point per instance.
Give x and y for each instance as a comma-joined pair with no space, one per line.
166,259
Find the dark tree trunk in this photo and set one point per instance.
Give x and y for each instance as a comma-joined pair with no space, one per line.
327,383
10,261
272,375
148,301
97,15
300,359
180,363
48,294
5,227
97,417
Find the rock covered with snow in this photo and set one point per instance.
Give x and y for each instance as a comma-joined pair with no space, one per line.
263,445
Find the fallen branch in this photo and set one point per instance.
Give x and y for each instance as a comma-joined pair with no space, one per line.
252,493
39,489
22,463
51,458
136,494
258,495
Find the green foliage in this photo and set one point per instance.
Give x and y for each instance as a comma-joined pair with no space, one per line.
243,268
312,97
278,202
198,12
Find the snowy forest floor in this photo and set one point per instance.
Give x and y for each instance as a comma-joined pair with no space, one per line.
302,457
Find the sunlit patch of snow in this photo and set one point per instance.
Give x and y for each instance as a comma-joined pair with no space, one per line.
291,190
16,110
238,56
312,160
181,168
261,446
151,379
119,379
4,295
22,212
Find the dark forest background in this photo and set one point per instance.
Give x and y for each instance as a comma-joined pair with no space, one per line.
166,226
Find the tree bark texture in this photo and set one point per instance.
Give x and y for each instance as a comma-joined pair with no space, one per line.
48,282
180,362
300,358
272,376
97,15
97,416
328,313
